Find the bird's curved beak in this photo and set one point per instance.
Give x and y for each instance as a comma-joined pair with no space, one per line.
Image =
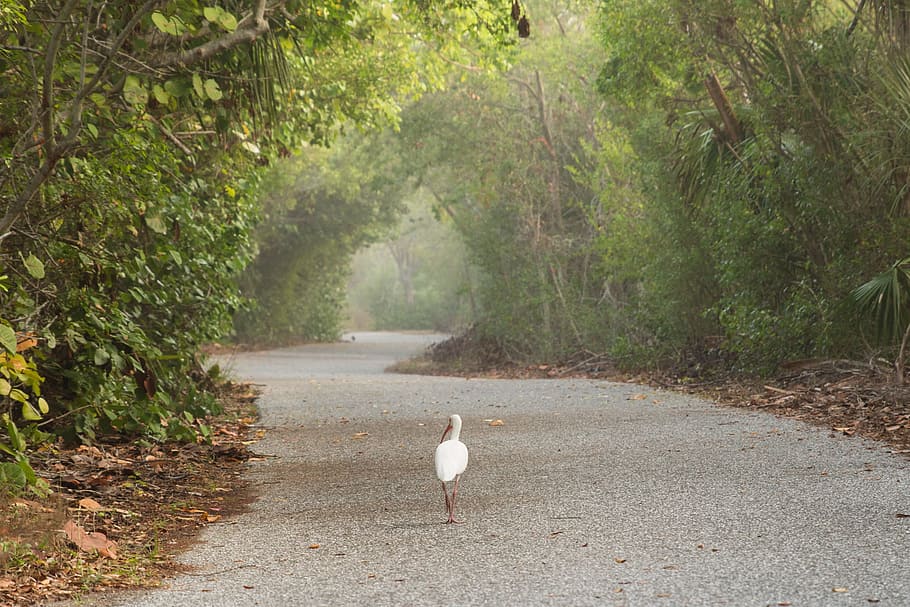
448,428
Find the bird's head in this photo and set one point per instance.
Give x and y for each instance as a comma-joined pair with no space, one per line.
447,430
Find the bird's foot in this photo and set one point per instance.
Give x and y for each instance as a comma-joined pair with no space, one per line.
452,520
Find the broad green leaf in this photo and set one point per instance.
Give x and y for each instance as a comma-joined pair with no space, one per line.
161,95
11,474
18,395
227,21
15,439
212,13
163,23
34,266
92,130
212,90
133,91
51,341
102,357
169,25
178,87
198,86
29,413
5,387
43,406
7,338
156,224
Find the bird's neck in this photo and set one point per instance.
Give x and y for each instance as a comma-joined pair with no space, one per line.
456,429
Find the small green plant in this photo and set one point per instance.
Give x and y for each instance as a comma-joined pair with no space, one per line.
20,396
886,300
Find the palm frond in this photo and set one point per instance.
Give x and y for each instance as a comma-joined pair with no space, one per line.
885,298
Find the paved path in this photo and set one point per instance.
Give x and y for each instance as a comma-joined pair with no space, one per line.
590,493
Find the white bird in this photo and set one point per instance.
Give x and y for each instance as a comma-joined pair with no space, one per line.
451,460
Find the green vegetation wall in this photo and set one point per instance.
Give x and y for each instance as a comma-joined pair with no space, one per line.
134,136
677,182
780,183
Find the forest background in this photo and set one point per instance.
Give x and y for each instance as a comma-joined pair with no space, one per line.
708,185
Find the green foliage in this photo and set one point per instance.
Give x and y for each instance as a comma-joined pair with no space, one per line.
133,139
418,279
320,208
765,212
501,156
886,300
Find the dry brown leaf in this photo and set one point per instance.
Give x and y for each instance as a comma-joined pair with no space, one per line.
360,435
90,504
839,589
497,422
618,560
27,343
313,546
90,541
638,397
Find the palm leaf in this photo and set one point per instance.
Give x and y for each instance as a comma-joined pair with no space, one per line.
885,298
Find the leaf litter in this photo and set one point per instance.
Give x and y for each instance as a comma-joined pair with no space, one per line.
121,512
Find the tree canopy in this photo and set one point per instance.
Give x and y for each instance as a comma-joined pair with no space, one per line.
663,182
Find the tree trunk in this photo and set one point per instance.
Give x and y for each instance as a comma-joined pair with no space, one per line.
734,129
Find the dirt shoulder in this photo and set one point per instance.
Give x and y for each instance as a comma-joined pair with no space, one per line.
121,513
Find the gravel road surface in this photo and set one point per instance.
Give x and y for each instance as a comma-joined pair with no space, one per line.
588,493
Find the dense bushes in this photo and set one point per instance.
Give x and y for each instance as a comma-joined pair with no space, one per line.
709,181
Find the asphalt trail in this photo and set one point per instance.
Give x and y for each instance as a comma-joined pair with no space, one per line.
589,493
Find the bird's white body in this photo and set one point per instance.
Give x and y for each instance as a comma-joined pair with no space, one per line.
451,461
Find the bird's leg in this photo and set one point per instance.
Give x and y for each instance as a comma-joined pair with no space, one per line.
445,492
452,503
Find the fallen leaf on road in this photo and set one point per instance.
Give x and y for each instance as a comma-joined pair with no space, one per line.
619,560
497,422
839,590
313,546
639,397
902,515
360,435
